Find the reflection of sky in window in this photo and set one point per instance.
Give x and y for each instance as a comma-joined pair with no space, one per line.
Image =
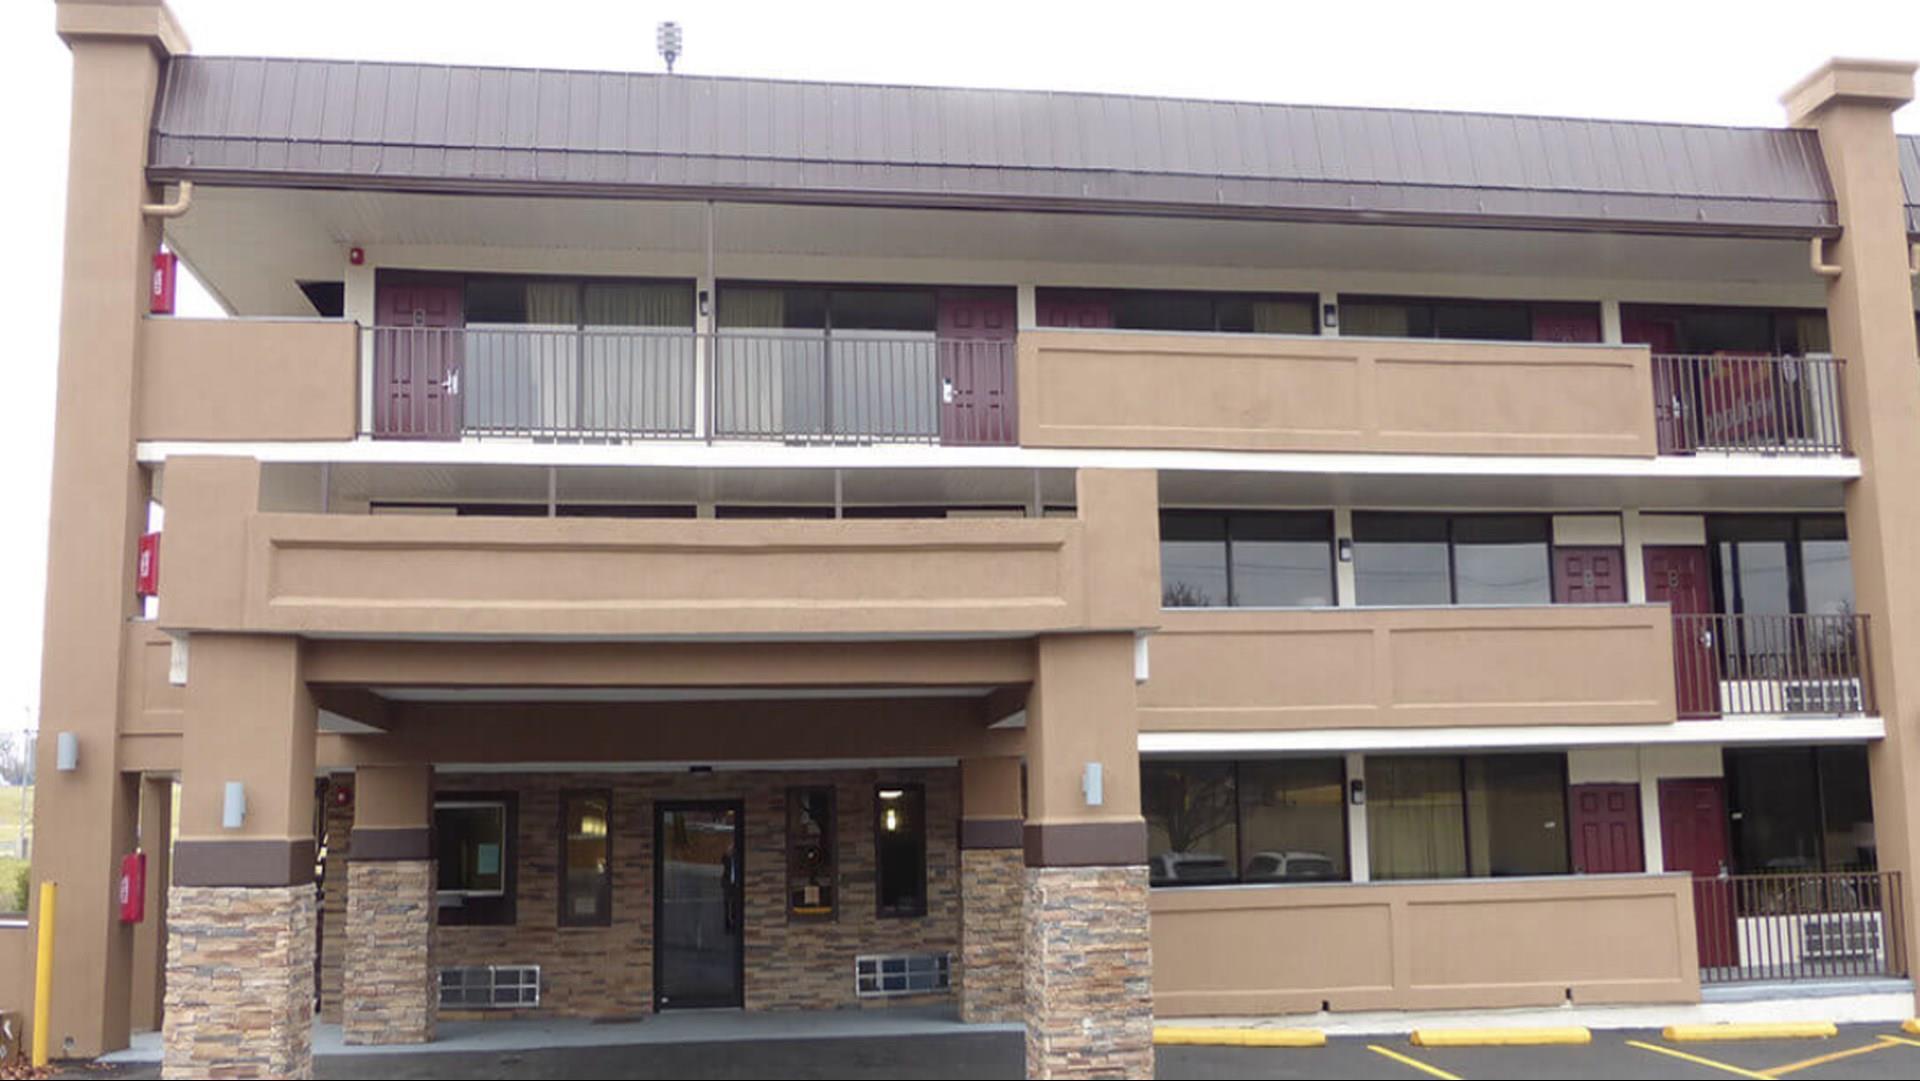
1828,570
1387,573
1502,574
1282,573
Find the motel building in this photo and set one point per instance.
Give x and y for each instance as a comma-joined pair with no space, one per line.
649,542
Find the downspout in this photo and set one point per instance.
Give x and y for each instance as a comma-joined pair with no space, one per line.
182,203
1816,258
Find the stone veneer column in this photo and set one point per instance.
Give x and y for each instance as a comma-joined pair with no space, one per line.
391,992
992,891
1088,954
240,948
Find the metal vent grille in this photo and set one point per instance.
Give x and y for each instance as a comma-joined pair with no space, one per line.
489,987
880,975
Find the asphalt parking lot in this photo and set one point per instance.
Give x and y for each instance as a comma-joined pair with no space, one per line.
1859,1051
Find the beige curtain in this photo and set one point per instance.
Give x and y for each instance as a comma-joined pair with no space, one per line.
1282,317
750,377
619,304
553,303
1374,320
753,308
1416,820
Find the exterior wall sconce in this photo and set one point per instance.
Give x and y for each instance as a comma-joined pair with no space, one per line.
233,810
1345,548
66,752
1357,792
1330,316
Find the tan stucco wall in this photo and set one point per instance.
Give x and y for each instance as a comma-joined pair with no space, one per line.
1425,945
1244,392
1226,669
235,379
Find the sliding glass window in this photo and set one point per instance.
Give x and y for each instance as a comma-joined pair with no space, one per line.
1800,810
1258,820
1179,310
1404,560
1249,559
1469,320
1448,816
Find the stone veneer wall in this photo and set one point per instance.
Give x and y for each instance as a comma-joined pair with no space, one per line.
1089,973
993,892
392,988
333,899
239,981
607,971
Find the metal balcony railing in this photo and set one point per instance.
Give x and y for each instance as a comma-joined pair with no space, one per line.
1749,404
1793,926
1747,665
614,384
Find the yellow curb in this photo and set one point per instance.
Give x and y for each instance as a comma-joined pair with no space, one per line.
1910,1026
1499,1037
1239,1037
1769,1030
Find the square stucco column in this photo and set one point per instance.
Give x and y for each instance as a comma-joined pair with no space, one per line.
390,987
1088,954
992,891
1870,315
240,945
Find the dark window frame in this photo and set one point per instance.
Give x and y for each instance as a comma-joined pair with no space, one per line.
1240,852
1226,518
918,909
1723,530
1732,759
603,891
487,911
1215,299
1531,309
827,290
1466,815
1452,543
1778,321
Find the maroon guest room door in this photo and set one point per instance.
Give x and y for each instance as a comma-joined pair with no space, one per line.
1588,574
1678,575
1606,829
1672,395
1693,837
975,329
417,357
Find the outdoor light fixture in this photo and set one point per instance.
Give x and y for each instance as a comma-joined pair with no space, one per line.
1346,549
66,752
1093,784
668,40
1357,792
233,810
1330,315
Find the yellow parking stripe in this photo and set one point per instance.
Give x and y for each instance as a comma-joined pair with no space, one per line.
1738,1071
1898,1039
1881,1044
1430,1071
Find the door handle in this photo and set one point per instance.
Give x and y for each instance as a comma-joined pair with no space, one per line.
946,391
451,384
1706,639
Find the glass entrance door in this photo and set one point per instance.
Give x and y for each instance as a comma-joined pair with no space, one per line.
698,905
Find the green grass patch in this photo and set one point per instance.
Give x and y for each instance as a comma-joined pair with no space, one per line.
13,886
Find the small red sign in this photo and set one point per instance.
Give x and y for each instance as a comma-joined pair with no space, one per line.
133,887
166,269
146,578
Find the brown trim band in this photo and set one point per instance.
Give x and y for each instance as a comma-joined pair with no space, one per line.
992,833
1086,844
243,863
389,845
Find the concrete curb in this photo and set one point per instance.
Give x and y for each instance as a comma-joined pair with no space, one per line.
1176,1036
1501,1037
1771,1030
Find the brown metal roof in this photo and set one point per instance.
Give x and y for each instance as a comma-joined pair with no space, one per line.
439,128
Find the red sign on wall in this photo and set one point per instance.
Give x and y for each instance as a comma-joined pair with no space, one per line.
166,269
146,577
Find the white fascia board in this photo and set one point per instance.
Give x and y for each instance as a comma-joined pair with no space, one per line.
776,456
1741,730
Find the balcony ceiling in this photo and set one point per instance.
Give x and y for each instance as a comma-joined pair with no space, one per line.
252,246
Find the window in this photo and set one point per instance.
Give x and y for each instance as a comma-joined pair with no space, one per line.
1402,560
1259,559
900,849
586,866
1185,310
810,853
1469,320
1800,810
1445,816
1703,331
1264,820
473,836
1781,564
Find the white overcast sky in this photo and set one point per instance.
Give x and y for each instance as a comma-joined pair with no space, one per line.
1687,60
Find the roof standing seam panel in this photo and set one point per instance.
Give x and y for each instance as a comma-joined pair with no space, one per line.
431,125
